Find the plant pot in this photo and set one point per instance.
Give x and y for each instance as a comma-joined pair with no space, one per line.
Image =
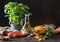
15,27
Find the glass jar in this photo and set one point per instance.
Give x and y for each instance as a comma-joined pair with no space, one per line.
27,29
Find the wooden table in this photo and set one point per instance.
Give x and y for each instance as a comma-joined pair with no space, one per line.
30,39
55,39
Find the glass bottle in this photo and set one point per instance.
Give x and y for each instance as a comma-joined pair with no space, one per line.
27,29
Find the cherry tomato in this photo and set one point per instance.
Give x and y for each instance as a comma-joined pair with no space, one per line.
21,35
16,34
10,34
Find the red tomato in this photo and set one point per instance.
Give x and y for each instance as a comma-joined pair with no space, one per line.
17,34
14,34
10,34
21,35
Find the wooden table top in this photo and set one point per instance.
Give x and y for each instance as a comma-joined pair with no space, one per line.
30,39
56,38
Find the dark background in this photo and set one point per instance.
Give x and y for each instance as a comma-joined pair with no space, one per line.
43,11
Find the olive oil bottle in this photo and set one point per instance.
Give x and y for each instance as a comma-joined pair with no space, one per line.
27,29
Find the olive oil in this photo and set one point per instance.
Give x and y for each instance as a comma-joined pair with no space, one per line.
27,29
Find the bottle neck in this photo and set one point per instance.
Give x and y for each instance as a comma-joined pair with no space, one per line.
27,18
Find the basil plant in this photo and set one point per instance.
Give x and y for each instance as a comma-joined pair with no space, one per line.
15,12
